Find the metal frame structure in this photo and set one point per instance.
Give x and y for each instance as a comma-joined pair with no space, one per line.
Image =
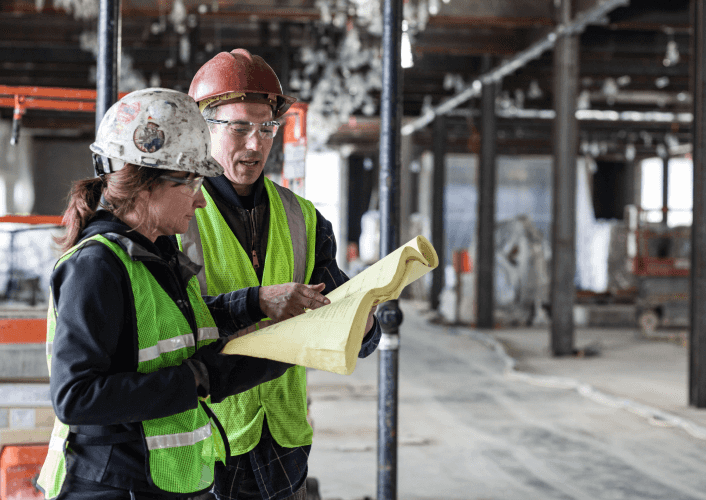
46,98
596,15
389,313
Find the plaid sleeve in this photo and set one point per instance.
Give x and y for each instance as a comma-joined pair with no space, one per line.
326,271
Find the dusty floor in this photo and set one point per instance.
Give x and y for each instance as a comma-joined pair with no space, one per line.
613,426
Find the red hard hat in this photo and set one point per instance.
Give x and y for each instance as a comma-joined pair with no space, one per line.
238,75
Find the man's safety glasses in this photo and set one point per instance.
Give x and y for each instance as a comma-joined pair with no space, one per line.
194,184
245,129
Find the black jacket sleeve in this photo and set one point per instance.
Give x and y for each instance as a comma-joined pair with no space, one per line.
222,375
326,271
94,353
235,310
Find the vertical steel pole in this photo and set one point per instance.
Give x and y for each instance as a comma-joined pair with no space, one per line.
284,55
665,189
437,207
564,190
108,57
389,314
485,243
697,336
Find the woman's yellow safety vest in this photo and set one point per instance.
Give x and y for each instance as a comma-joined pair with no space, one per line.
226,267
181,447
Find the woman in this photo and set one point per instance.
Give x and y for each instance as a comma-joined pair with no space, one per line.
131,345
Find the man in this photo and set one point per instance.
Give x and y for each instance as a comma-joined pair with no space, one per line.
279,250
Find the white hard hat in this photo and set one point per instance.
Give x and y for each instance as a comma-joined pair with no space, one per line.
158,128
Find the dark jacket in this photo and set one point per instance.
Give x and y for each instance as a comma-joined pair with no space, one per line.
95,386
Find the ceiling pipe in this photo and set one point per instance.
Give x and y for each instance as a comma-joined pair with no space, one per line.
595,15
606,115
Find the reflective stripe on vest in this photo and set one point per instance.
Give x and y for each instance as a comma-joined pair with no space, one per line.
190,243
180,342
227,267
57,443
181,454
181,439
165,346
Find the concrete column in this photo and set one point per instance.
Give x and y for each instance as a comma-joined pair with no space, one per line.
697,337
566,54
485,243
437,212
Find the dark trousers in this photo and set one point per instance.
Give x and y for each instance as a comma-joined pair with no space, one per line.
76,488
237,482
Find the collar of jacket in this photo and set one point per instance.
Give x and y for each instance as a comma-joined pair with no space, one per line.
137,246
226,191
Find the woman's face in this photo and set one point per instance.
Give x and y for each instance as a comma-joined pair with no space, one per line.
171,206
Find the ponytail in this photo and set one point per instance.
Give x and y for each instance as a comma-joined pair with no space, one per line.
83,203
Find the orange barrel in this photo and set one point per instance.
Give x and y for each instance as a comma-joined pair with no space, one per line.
19,469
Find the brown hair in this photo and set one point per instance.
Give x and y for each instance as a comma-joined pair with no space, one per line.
119,190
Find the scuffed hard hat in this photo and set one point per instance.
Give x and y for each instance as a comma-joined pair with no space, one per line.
158,128
238,76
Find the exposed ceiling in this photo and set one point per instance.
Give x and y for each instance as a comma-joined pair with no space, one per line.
622,63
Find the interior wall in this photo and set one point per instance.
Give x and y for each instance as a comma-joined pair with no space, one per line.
523,188
57,164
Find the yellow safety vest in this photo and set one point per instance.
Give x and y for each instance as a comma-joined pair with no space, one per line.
181,447
227,267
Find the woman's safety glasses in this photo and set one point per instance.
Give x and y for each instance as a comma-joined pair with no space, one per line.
244,129
194,184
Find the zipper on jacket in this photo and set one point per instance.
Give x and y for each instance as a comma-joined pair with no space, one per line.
183,302
255,263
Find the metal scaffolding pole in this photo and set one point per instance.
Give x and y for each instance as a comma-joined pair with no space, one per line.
665,188
389,313
437,204
566,74
697,337
107,75
285,48
485,243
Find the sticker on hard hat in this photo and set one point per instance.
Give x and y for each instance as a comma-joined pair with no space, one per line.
128,112
148,138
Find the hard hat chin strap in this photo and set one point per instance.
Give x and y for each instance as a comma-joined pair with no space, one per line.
104,165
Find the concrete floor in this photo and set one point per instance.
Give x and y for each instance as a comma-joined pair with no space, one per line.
614,426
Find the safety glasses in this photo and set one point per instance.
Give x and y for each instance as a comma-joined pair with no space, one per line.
194,183
245,129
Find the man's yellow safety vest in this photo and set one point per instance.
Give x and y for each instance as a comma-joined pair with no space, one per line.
227,267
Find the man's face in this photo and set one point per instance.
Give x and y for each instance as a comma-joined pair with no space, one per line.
242,157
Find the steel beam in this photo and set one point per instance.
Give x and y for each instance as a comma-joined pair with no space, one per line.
485,242
697,336
285,48
437,210
108,62
567,28
665,188
566,72
389,314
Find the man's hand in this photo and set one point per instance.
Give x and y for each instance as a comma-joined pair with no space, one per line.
280,302
370,323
